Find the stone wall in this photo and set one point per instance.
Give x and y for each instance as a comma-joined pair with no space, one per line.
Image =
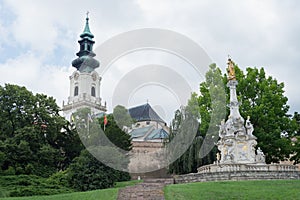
246,167
236,175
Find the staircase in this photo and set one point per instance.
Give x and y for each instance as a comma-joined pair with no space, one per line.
150,189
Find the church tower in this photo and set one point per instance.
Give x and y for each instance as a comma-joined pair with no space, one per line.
85,81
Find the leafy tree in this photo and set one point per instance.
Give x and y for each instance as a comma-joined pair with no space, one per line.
263,99
209,109
87,172
34,138
115,134
296,139
122,117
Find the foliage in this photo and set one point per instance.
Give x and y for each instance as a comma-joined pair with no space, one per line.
105,194
263,99
263,189
115,134
88,173
34,138
29,185
202,150
122,117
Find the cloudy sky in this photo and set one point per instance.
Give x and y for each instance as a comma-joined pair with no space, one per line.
38,39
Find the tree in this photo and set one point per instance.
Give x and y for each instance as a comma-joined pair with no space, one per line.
122,117
34,138
87,173
91,170
262,98
209,109
115,134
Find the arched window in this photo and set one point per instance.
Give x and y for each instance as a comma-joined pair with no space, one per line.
76,91
93,91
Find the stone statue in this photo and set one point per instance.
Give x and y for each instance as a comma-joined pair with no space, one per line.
249,126
222,130
230,70
218,156
260,156
229,127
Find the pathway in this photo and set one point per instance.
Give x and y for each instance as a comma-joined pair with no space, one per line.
150,189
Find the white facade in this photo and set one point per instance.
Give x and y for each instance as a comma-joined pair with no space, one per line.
84,92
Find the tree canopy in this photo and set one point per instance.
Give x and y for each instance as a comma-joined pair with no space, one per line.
34,138
89,171
261,97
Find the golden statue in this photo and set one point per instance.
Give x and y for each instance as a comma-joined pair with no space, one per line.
230,70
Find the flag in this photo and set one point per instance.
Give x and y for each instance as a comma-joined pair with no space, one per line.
90,117
105,121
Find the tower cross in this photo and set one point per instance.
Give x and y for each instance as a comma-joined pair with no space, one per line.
87,14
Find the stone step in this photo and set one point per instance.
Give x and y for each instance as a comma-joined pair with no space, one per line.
150,189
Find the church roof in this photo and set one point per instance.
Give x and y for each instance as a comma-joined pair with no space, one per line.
157,134
148,133
87,32
144,113
140,132
86,61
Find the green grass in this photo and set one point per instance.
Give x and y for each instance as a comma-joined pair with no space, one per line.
272,189
105,194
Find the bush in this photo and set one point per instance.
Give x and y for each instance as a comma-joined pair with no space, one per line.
59,178
87,173
29,185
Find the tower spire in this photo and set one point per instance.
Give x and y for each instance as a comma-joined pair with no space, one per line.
85,61
87,31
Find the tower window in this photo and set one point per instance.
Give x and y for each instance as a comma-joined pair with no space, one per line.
81,47
93,91
89,47
76,91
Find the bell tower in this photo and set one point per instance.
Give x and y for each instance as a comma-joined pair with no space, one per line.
85,81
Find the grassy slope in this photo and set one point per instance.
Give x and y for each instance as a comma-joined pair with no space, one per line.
273,189
105,194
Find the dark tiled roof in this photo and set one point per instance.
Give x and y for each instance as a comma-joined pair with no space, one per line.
144,113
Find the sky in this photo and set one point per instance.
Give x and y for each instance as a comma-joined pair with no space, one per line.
38,41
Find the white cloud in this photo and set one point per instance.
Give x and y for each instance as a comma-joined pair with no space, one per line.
28,70
254,33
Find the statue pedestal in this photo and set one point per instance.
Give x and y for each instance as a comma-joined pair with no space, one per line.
237,149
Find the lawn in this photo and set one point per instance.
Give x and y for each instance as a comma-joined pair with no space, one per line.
264,189
273,189
105,194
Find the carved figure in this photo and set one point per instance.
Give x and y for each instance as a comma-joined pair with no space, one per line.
230,70
222,130
249,126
